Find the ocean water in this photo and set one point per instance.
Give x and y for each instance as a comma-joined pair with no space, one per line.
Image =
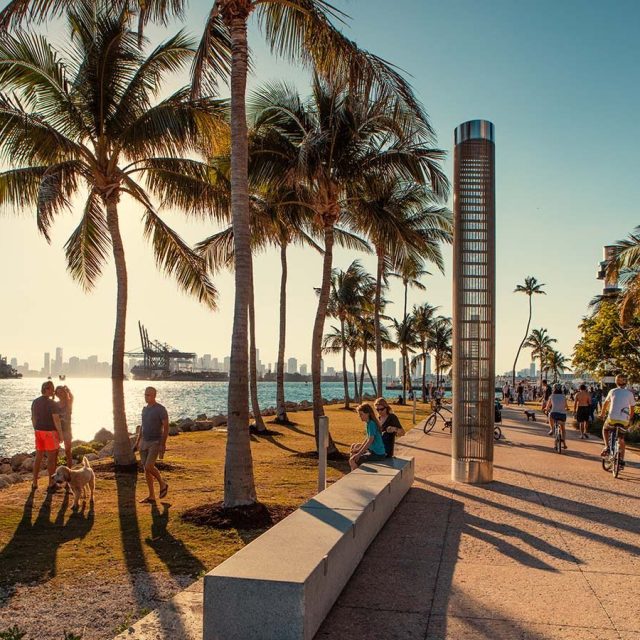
92,404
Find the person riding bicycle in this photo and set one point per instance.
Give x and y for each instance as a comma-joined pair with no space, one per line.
621,404
557,407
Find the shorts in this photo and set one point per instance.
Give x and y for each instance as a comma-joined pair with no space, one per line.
369,456
583,414
149,452
47,440
616,423
558,417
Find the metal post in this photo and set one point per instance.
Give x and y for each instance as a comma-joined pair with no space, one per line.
323,442
473,302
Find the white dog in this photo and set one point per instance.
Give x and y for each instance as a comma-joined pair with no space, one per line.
78,479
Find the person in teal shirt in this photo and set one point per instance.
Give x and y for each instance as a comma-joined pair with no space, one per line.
372,447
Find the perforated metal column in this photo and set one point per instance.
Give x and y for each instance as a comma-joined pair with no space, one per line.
473,302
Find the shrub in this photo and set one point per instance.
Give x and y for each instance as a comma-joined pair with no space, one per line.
12,634
82,450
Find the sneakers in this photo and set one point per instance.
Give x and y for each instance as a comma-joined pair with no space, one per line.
550,432
605,452
586,437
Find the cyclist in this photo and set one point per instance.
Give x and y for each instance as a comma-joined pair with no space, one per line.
621,404
557,407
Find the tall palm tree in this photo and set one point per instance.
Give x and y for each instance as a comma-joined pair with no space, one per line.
410,271
345,339
440,344
530,287
424,317
556,363
405,341
86,123
539,341
401,221
626,267
343,133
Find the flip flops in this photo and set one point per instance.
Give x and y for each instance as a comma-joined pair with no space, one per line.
164,490
147,500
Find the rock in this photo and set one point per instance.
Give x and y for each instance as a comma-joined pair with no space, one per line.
4,482
219,420
106,451
186,426
17,460
104,435
27,464
204,425
174,430
202,416
5,467
92,456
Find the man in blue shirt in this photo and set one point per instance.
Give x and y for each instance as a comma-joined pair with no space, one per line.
152,442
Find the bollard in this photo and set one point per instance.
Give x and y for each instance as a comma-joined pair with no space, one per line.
414,408
323,443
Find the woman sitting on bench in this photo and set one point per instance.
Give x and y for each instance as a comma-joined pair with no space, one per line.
372,447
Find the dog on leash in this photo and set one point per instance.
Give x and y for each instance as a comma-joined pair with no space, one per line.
78,480
531,415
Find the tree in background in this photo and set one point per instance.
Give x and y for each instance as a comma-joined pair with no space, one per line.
87,125
530,288
555,363
440,344
539,341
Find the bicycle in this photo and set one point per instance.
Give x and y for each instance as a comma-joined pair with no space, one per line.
612,461
430,422
558,441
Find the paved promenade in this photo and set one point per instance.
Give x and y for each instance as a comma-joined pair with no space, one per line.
549,550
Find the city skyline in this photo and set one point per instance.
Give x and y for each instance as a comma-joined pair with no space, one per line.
552,69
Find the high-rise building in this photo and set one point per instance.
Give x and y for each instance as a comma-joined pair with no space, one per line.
303,369
14,363
532,369
389,368
206,361
215,364
331,371
47,364
292,365
400,368
427,364
321,367
227,364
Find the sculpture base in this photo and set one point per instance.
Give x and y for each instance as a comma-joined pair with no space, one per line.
472,471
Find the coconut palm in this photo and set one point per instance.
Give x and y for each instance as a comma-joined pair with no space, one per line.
440,344
530,287
625,266
556,363
401,220
86,125
345,339
539,341
342,134
410,271
424,317
405,340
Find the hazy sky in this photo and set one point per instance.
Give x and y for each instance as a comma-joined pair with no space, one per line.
558,79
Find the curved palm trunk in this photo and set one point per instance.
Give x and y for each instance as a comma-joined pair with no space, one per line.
281,412
239,485
373,383
318,329
362,370
526,335
122,453
253,360
376,321
406,295
345,375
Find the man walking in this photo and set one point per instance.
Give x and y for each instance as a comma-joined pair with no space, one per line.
621,404
152,442
48,432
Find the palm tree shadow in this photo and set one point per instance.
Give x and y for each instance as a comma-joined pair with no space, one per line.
31,554
173,552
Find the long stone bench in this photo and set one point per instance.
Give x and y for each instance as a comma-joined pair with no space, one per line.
282,585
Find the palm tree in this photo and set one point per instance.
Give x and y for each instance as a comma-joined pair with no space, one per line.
402,223
343,133
539,341
556,363
626,267
405,341
440,344
87,124
423,317
410,271
345,339
530,287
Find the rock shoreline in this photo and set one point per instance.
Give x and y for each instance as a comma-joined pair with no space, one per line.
19,467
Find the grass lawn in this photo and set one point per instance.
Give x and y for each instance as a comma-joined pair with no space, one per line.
42,540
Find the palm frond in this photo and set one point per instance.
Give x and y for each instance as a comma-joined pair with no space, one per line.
217,250
19,188
213,56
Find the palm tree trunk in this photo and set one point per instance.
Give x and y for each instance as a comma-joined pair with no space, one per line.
318,328
373,383
345,375
122,453
239,485
405,372
424,376
281,412
357,396
406,293
364,364
376,321
253,359
526,335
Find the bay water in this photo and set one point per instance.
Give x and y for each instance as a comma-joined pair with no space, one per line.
92,404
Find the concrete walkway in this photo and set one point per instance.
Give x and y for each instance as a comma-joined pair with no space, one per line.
549,550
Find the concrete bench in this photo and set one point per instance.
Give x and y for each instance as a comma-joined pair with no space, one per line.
282,585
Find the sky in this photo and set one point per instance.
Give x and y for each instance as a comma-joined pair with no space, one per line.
559,80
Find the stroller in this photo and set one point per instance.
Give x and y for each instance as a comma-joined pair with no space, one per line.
498,412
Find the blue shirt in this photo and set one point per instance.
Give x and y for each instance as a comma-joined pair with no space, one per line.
377,446
152,417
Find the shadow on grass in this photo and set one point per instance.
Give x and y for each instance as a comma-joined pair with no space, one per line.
31,554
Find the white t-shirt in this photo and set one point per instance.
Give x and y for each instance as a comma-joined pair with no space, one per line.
558,403
620,400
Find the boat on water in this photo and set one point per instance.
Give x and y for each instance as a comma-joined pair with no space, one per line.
179,375
7,371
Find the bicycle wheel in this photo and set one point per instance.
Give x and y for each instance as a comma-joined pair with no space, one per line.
615,467
430,423
497,432
559,442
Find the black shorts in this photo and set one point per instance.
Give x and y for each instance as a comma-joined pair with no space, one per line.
558,417
583,413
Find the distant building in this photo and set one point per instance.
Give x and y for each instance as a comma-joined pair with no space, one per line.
57,366
206,361
400,368
389,368
331,371
227,364
321,367
303,369
427,364
532,370
47,364
14,363
292,365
